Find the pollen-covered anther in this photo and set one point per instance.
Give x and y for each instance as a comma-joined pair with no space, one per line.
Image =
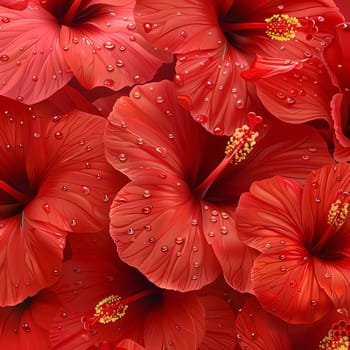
282,27
337,338
338,213
241,143
109,309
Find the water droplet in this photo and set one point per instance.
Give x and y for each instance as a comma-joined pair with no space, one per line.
282,257
137,78
305,157
253,335
55,272
163,175
315,185
195,249
159,99
147,27
224,215
109,45
179,80
224,230
73,223
151,240
194,222
201,119
283,268
196,264
46,208
327,275
162,151
122,157
36,135
343,312
26,327
105,197
179,240
109,68
131,231
147,210
290,100
194,278
218,130
85,189
318,200
164,249
147,194
238,337
268,245
213,219
119,63
58,135
211,234
239,104
4,58
139,141
313,302
108,82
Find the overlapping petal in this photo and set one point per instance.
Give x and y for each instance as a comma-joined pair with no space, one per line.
53,181
30,57
293,91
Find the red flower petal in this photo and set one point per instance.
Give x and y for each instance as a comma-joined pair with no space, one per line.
259,330
179,27
210,86
293,91
26,52
110,52
54,179
172,253
219,321
179,322
14,4
285,284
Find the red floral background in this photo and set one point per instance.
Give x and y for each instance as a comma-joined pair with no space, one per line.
174,175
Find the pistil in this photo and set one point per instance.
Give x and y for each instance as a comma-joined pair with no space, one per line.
337,214
71,13
18,196
238,147
113,308
281,27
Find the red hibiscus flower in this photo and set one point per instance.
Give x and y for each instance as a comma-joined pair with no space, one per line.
175,220
216,40
302,271
105,301
53,180
49,42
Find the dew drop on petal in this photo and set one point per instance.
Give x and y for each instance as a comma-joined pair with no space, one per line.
179,240
283,268
26,327
46,208
85,189
119,63
131,231
108,82
58,135
164,248
313,302
122,157
55,272
73,223
109,45
4,58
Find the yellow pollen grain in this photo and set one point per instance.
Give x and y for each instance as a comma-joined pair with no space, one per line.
282,27
329,343
241,143
338,213
110,309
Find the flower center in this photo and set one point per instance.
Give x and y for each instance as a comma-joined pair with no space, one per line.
71,13
337,215
238,147
281,27
337,338
113,308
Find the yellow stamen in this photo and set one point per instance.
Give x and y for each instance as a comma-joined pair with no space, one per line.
330,342
110,309
282,27
241,143
338,213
